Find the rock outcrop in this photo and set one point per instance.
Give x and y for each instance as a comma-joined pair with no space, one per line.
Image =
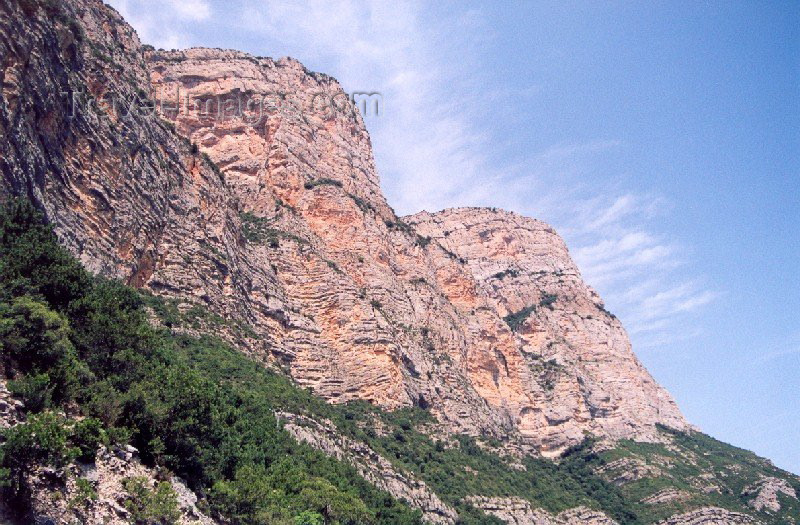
566,366
766,492
89,492
710,516
626,470
666,496
60,499
11,409
515,511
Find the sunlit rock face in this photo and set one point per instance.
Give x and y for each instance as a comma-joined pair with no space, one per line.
560,364
478,315
406,310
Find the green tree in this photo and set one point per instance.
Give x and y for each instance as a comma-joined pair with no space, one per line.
151,506
41,441
34,339
36,391
309,518
88,435
334,505
33,263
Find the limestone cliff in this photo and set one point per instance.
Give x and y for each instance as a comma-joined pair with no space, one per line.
292,241
404,310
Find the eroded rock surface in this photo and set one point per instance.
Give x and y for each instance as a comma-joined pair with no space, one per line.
58,499
710,516
515,511
626,470
566,367
766,492
11,409
293,244
405,310
665,496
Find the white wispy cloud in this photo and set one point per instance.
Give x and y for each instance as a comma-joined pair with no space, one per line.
163,23
433,148
644,276
786,349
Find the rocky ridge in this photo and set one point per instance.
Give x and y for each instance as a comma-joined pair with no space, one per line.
520,512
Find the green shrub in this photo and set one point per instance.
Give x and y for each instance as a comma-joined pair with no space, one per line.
309,518
511,272
35,340
547,300
88,435
41,441
515,320
84,493
325,181
151,506
333,504
35,390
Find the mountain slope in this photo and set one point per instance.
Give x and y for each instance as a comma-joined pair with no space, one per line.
84,347
242,194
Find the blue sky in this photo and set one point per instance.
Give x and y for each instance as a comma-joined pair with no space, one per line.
662,140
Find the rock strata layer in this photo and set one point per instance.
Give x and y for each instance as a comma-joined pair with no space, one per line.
407,310
710,516
767,493
515,511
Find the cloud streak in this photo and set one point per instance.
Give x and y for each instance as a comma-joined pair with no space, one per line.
164,23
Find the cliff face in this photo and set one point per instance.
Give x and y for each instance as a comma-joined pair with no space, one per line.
405,310
566,366
292,241
126,194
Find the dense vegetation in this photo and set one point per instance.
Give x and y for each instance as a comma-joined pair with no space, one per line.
74,344
70,339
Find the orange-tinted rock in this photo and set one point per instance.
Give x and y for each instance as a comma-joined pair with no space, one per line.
293,243
401,310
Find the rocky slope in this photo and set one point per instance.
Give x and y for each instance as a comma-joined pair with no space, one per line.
372,466
519,512
106,504
244,187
